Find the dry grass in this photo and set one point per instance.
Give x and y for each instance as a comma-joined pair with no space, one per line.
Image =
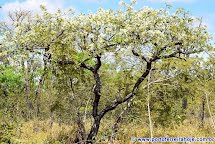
186,129
38,132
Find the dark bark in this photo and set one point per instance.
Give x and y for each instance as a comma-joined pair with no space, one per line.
203,112
94,129
97,89
184,104
97,95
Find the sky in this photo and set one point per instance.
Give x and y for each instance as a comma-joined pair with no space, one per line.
198,8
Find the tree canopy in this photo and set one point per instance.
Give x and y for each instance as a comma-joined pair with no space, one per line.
94,63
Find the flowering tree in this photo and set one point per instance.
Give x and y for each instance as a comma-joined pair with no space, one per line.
146,36
149,35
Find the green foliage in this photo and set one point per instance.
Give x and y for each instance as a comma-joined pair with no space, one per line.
43,57
10,77
7,132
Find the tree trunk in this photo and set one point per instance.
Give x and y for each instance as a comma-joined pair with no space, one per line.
203,112
184,103
97,116
27,89
94,130
38,94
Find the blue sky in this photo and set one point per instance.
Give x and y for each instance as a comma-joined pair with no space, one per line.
198,8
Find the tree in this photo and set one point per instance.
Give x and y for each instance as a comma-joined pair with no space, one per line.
145,36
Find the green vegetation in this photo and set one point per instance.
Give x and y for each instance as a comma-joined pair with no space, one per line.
105,77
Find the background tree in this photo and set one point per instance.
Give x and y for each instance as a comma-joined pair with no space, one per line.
87,68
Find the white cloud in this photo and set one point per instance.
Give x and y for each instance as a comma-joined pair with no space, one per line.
33,5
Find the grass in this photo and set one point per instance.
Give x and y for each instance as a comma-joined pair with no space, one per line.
40,132
185,129
37,132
